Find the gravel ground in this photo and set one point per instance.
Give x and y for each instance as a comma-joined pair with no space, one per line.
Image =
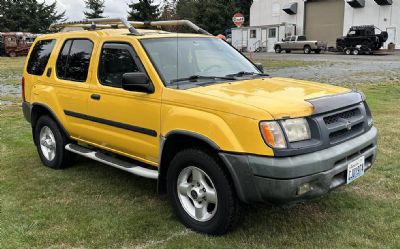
339,68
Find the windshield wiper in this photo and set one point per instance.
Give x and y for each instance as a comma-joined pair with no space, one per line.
243,73
195,78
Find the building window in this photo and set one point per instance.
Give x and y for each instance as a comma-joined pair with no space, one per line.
253,33
272,33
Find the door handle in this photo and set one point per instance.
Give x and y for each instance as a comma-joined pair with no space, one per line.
95,96
48,73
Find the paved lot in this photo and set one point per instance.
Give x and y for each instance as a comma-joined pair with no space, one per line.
338,68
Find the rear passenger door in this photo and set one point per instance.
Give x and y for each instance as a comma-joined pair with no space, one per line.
71,75
126,122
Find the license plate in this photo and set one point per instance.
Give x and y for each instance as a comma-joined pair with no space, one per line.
355,169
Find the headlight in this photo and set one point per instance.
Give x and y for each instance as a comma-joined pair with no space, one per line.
272,134
296,129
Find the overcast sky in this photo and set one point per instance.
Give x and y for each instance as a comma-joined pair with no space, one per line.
74,8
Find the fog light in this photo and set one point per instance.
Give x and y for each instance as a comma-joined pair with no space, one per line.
304,188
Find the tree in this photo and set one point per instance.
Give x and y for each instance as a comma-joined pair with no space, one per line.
214,16
168,10
144,10
96,8
28,15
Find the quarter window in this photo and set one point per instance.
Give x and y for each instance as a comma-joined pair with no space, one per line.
40,56
115,61
74,59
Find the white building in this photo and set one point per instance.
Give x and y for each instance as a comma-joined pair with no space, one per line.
272,20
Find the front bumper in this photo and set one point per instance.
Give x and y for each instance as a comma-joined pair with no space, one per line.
277,180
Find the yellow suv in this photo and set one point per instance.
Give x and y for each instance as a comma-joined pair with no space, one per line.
192,112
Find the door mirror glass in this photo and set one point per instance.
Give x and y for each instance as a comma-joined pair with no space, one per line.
137,82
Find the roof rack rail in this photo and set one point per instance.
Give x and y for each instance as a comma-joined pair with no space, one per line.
107,23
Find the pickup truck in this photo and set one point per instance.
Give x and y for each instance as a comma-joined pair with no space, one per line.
297,42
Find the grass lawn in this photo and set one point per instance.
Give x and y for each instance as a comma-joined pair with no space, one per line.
91,205
11,70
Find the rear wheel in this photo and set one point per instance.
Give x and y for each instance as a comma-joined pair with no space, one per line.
307,49
318,51
12,54
50,143
356,52
278,49
201,193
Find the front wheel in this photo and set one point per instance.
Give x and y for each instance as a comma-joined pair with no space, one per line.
201,193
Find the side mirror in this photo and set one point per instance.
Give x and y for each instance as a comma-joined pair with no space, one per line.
137,82
259,66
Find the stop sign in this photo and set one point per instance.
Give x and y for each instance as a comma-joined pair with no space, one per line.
238,19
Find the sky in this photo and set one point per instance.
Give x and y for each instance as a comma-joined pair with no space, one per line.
74,8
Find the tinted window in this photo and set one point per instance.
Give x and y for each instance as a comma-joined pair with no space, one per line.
302,38
40,56
74,59
114,62
62,59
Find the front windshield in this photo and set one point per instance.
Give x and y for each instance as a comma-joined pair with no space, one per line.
180,58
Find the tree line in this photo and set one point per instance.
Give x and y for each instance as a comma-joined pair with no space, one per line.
36,16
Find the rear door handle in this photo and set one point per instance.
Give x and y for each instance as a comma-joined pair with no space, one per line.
48,73
95,96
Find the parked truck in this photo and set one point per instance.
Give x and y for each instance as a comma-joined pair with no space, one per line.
15,43
362,39
299,42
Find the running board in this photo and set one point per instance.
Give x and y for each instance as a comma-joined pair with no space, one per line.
115,162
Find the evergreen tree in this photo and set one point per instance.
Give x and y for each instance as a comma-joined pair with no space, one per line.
214,16
144,10
96,8
168,10
28,15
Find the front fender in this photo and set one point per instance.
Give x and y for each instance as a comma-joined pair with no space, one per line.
228,132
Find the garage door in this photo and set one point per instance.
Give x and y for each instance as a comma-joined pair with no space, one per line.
324,20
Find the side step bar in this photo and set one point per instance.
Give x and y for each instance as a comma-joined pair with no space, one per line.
115,162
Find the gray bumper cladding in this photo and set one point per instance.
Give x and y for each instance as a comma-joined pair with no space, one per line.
269,179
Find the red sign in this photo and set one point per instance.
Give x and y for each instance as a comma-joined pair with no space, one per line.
238,19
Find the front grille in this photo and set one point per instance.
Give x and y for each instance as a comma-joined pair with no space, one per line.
342,125
343,115
344,133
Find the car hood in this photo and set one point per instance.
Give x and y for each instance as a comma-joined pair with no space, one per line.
280,97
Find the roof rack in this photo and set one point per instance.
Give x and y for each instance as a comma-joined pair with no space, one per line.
107,23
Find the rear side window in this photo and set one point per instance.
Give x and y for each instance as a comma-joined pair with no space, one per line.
40,56
115,60
74,59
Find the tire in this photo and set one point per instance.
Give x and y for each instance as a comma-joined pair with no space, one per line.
318,51
307,49
348,51
356,52
12,54
50,143
278,49
288,51
220,211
